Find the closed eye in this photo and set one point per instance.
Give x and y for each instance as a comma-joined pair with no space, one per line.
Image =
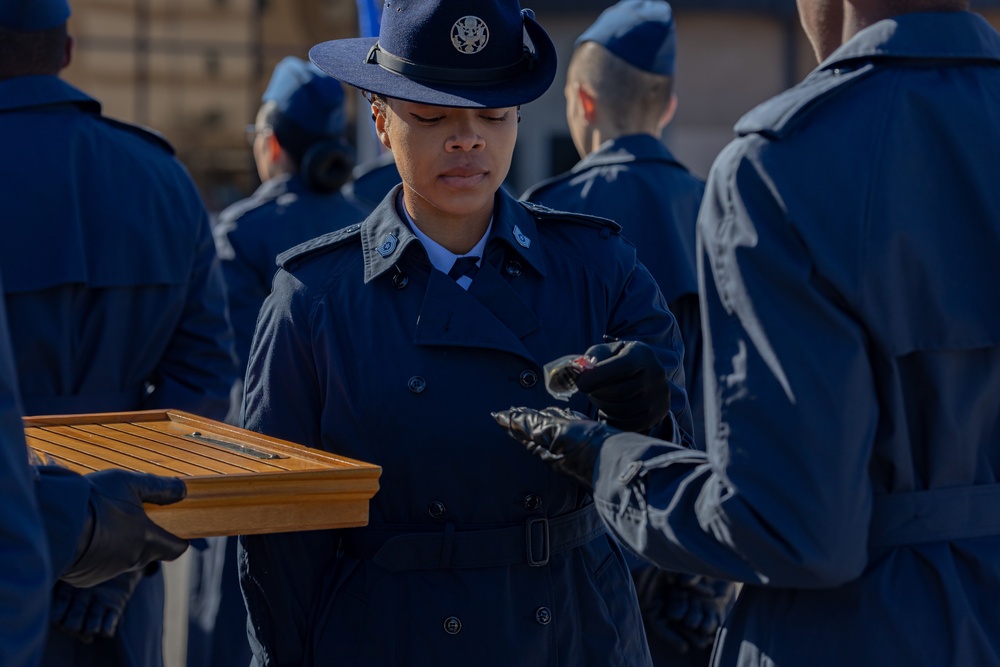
426,120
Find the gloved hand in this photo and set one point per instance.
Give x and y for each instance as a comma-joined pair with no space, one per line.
683,610
567,440
628,385
85,613
118,536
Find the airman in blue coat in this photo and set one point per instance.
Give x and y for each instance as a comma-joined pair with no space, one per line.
58,524
851,474
391,341
619,98
113,291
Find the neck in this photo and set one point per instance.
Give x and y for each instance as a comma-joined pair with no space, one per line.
859,15
459,233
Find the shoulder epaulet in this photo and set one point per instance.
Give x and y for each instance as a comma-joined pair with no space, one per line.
545,213
778,115
293,257
150,135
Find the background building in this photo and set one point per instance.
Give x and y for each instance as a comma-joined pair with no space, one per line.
194,70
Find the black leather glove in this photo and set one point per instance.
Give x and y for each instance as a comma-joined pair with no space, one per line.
118,536
567,440
685,611
85,613
628,384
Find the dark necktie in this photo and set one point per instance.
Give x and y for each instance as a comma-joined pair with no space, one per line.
464,266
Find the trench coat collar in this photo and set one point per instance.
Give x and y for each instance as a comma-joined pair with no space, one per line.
937,35
385,237
28,92
625,150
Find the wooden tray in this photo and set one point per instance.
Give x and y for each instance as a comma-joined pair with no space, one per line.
238,481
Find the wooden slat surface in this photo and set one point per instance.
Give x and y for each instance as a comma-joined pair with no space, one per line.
231,490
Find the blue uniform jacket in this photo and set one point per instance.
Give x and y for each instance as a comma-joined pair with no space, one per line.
250,234
25,568
849,238
371,181
476,552
112,287
635,181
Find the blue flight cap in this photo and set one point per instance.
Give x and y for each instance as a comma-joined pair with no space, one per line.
307,97
31,15
640,32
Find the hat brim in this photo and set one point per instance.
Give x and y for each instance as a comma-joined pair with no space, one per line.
346,60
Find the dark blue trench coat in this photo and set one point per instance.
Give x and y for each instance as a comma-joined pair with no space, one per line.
477,552
850,255
113,291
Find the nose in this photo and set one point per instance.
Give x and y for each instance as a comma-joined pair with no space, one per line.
465,137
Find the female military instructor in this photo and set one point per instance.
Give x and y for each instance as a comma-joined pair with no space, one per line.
392,341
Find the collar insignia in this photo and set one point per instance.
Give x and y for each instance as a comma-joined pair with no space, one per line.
388,246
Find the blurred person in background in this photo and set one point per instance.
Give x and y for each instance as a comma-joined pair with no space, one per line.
113,291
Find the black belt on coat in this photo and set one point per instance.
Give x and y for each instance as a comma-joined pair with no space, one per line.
936,515
532,543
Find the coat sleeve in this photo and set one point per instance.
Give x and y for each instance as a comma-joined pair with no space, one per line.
198,369
782,496
281,574
25,575
641,313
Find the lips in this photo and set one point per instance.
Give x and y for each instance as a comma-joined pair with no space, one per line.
464,176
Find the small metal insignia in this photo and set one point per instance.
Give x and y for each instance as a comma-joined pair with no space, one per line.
470,34
521,239
388,246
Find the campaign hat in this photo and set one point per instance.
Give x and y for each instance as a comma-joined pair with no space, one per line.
640,32
32,15
457,53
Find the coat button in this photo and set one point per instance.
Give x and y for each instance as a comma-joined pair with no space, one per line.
528,379
452,625
417,384
400,280
543,615
436,509
532,502
513,269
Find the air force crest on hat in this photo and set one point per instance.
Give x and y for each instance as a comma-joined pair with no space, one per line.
640,32
437,52
32,15
470,34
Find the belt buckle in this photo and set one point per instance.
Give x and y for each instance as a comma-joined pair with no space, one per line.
529,542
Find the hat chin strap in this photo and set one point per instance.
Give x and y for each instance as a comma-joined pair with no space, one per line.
483,76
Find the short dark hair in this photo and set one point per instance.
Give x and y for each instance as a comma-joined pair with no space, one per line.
32,53
632,97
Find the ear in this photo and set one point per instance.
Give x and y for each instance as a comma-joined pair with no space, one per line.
68,53
273,148
379,119
588,103
668,113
